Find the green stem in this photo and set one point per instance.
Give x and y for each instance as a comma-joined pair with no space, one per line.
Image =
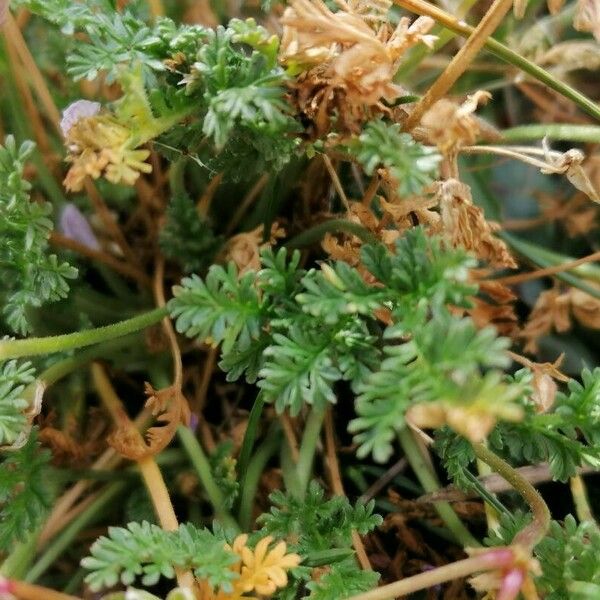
421,7
315,234
61,542
536,530
202,465
288,471
79,339
252,476
308,447
17,563
66,366
553,131
427,478
250,436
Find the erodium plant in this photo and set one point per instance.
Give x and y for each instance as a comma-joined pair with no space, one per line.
260,265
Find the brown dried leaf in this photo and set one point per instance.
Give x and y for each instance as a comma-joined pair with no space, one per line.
244,248
551,310
586,308
465,225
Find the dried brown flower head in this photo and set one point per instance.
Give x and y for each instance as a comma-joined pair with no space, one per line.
346,59
451,126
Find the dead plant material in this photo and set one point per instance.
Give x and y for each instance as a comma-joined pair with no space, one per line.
465,225
346,60
244,248
553,310
450,126
587,17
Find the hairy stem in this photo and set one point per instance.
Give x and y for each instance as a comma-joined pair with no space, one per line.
461,60
427,478
493,559
79,339
536,530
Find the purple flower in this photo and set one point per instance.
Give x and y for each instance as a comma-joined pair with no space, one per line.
77,110
74,225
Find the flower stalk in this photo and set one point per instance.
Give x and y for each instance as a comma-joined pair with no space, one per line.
488,561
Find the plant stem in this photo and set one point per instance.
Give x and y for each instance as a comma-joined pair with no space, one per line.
308,447
547,271
580,499
424,472
201,464
535,531
553,131
157,489
79,339
18,561
252,475
543,258
490,560
250,437
65,538
27,591
419,52
460,61
421,7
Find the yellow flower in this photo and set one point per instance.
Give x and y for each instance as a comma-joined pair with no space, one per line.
260,570
264,570
102,145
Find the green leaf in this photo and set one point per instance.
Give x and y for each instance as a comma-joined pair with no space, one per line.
31,276
411,164
25,492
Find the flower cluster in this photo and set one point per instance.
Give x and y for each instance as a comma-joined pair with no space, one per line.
100,144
